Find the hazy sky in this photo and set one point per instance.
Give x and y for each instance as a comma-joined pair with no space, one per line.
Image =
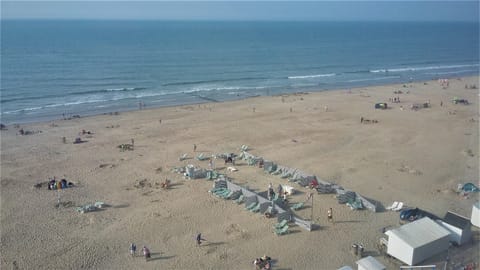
245,10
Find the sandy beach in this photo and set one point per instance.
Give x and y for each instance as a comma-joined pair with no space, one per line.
414,156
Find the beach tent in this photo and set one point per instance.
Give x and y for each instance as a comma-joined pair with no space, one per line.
417,241
475,219
458,226
380,106
370,263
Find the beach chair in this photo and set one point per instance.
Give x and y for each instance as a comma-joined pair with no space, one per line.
399,207
226,196
240,199
221,194
252,205
297,206
202,157
355,205
99,204
183,157
393,206
217,190
255,209
281,224
283,230
236,194
86,208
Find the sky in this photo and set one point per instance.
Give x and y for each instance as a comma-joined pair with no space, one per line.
385,10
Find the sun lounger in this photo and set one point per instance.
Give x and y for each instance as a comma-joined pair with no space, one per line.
240,199
251,206
232,169
223,193
355,205
297,206
227,195
281,224
255,209
393,206
399,207
217,190
202,157
281,231
99,204
86,208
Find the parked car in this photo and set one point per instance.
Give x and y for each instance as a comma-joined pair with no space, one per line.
411,214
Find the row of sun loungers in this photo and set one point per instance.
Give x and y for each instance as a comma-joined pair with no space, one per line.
90,207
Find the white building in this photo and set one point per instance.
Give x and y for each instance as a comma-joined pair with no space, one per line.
458,226
415,242
475,219
369,263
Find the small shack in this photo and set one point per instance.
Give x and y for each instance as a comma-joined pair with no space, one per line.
370,263
458,226
475,219
417,241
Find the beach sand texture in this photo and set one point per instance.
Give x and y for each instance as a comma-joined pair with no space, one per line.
417,157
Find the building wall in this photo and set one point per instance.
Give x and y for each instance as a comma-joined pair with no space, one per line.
428,250
399,249
466,236
475,219
455,233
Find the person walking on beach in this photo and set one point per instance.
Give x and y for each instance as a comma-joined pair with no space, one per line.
330,215
200,239
194,148
133,249
146,253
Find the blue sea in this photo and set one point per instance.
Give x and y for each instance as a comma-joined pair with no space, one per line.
53,68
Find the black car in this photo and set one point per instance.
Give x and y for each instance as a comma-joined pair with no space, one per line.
411,214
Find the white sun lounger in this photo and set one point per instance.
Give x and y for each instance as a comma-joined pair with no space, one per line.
399,207
393,206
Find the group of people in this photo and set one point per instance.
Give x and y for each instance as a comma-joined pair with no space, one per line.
145,250
394,99
263,263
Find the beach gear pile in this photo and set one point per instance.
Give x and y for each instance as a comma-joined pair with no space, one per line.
62,184
468,188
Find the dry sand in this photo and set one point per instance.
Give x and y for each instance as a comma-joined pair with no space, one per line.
417,157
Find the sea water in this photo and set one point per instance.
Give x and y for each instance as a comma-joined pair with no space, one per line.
53,69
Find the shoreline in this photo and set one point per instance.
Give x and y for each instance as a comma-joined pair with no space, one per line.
400,154
71,116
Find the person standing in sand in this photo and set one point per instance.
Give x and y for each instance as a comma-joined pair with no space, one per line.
200,239
194,148
133,249
330,215
146,253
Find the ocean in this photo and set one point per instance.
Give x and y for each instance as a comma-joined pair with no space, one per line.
51,69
